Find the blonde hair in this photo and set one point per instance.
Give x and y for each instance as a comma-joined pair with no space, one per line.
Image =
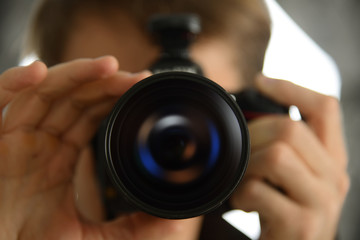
245,21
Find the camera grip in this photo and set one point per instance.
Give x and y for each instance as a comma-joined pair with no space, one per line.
253,104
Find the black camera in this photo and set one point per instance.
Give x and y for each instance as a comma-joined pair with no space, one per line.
176,143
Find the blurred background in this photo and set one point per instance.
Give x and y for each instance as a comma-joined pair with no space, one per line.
333,24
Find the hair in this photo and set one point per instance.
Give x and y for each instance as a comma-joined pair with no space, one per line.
246,22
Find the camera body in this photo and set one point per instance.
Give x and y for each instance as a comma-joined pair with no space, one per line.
176,143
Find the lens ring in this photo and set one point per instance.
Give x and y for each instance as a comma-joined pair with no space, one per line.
228,140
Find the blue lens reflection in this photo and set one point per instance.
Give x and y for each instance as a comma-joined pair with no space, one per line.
152,167
149,163
215,145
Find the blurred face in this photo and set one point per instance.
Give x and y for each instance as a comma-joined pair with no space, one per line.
94,36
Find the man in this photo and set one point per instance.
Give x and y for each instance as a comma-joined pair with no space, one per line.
296,178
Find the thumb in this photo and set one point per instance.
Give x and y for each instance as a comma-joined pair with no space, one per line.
140,226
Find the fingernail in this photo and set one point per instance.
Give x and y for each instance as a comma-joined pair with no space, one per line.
141,73
102,57
32,63
263,80
110,59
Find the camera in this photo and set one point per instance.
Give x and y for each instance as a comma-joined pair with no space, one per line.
176,144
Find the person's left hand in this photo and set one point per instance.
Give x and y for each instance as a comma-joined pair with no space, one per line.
48,118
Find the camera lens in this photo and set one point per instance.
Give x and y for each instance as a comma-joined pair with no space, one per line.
176,145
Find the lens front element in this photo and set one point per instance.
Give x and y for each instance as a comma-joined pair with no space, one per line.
176,145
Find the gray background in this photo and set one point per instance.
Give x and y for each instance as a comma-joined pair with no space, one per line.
334,24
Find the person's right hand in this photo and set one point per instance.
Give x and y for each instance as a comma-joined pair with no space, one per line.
297,177
48,117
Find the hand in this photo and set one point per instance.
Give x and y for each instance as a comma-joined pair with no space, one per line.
49,117
296,178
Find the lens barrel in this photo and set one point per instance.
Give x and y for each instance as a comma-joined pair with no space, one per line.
176,145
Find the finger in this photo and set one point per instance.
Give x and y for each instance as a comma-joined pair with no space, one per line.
64,113
17,79
256,195
114,86
273,129
64,77
29,108
321,112
83,129
279,165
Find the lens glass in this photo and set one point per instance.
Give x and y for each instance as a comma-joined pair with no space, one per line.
177,146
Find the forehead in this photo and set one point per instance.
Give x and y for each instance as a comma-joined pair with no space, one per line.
94,35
